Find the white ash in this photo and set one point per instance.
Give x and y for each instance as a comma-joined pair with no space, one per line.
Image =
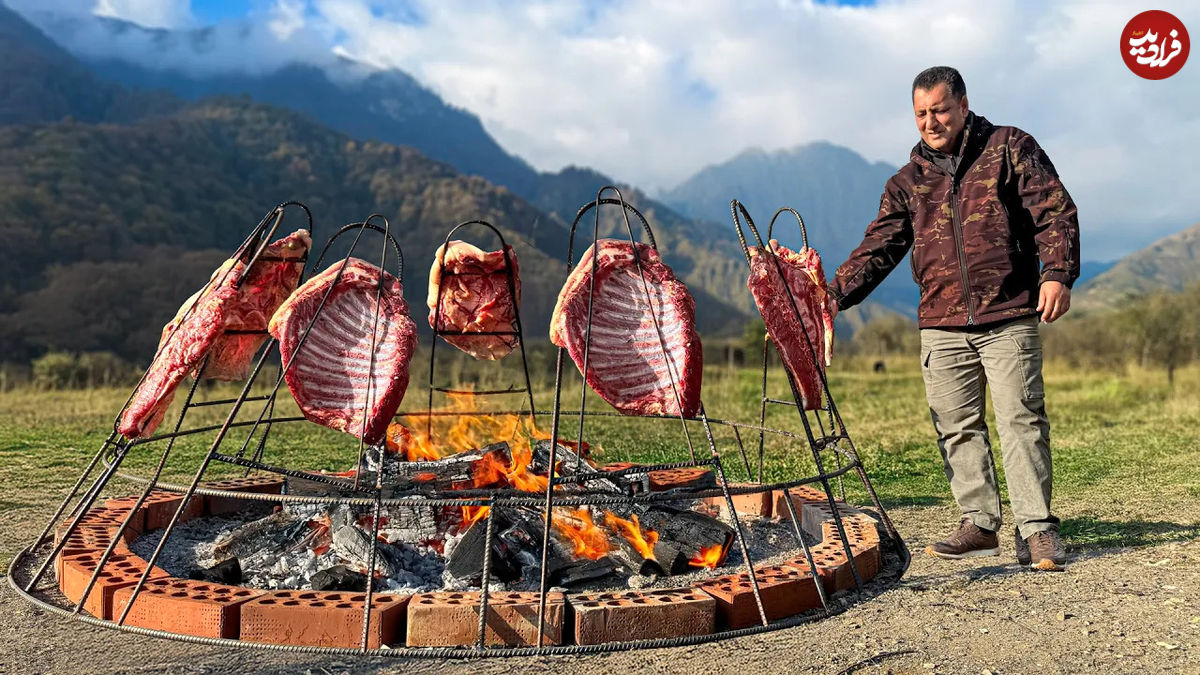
190,545
284,558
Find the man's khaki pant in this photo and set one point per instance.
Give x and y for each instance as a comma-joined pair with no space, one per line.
958,365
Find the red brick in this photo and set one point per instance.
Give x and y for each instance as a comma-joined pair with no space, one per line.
671,479
323,618
104,519
785,591
452,619
831,555
801,494
186,607
215,506
642,615
160,507
120,571
89,539
753,504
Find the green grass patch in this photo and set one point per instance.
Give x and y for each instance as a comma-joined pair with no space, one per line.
1124,444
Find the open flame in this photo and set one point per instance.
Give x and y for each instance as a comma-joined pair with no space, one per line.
590,541
473,514
496,470
643,541
422,439
708,557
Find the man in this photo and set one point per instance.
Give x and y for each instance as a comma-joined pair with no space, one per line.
995,246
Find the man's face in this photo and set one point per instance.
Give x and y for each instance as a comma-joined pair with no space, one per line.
940,117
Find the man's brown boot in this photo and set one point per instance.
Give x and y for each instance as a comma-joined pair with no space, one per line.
970,541
1043,550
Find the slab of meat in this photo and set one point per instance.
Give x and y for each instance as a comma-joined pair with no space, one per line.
270,281
247,308
331,378
475,299
806,279
180,351
626,364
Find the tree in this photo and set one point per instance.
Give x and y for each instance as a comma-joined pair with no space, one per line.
1164,328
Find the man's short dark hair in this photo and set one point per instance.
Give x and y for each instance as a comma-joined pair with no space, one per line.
932,77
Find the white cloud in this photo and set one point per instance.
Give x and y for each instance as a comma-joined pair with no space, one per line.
149,13
652,90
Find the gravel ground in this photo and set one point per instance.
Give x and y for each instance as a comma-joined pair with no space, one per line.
1112,611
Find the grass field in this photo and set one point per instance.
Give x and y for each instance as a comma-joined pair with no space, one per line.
1126,447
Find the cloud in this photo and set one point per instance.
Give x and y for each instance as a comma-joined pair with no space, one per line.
149,13
650,91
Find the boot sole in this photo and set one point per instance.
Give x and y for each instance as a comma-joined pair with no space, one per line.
978,553
1046,565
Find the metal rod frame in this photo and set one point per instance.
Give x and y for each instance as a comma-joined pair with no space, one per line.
823,439
114,449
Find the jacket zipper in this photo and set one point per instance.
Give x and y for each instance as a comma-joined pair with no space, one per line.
962,255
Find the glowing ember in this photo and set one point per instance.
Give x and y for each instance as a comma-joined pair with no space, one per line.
643,541
590,541
709,557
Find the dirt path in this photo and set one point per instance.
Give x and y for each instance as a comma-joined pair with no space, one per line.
1113,611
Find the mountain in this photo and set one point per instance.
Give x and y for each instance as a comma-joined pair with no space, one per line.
116,224
42,82
835,190
388,106
1171,263
1090,269
109,226
391,106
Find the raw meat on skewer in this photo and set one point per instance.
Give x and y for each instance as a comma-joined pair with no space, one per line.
475,298
222,305
627,365
793,335
332,376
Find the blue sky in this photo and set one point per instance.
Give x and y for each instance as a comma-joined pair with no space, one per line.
212,11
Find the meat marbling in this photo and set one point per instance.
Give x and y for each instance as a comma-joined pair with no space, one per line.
626,363
331,377
806,279
225,306
180,351
475,299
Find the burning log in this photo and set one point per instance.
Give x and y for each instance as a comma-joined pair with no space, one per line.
249,538
516,548
669,542
687,540
444,473
571,464
354,545
409,523
583,570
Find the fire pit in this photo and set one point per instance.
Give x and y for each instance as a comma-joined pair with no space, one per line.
465,532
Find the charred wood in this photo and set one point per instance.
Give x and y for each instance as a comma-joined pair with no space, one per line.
681,537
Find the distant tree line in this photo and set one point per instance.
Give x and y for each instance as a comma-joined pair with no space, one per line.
1161,329
1157,330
